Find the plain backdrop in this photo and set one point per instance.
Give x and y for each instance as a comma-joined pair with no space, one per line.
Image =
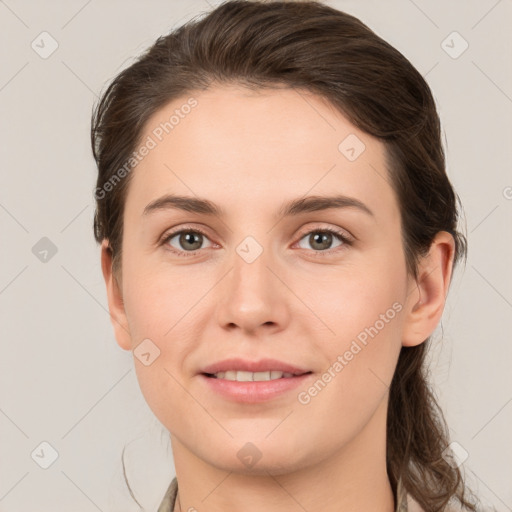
65,382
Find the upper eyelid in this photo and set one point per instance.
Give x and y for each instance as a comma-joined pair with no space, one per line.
335,230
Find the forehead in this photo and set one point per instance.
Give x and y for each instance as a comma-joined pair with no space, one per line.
249,147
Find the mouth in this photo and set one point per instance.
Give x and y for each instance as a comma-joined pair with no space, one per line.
246,370
245,376
252,382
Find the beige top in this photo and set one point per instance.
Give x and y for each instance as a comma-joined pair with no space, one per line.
404,502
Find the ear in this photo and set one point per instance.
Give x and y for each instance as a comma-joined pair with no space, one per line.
115,299
427,295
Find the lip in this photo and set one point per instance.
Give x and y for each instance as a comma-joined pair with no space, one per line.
256,391
263,365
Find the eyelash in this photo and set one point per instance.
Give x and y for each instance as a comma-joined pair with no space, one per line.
339,234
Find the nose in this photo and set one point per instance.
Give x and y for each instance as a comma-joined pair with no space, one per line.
252,297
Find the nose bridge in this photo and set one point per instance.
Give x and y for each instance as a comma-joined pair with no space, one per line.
251,276
252,251
251,295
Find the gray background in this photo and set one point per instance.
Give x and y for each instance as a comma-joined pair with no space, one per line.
64,380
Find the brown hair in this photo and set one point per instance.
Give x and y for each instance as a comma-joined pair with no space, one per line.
310,46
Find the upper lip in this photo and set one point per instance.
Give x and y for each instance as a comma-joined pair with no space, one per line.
263,365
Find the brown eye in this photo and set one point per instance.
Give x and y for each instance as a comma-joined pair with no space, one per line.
323,239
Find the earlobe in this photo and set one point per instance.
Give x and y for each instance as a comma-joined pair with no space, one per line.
426,300
115,299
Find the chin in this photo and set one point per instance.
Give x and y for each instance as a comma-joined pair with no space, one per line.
249,459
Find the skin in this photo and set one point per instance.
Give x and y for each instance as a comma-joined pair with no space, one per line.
248,152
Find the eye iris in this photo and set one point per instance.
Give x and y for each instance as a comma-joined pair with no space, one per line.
320,238
188,237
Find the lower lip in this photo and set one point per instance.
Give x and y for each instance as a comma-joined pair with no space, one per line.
255,391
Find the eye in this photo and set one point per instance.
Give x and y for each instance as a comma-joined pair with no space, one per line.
321,239
187,241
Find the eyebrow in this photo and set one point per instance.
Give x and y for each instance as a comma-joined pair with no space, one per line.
290,208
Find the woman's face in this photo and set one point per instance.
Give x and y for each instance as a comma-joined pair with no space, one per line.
262,280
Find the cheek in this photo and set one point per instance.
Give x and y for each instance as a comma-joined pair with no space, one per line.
361,306
361,362
352,298
159,301
163,309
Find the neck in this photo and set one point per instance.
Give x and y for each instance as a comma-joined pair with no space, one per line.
354,478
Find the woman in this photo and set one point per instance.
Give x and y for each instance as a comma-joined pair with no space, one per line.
278,236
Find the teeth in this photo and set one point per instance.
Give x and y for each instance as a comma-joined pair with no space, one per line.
261,376
241,376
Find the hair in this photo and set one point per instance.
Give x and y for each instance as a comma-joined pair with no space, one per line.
306,45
